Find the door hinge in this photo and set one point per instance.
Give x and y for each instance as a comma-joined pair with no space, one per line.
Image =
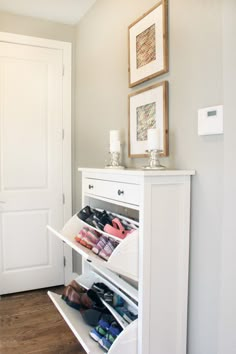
64,261
63,198
63,70
63,134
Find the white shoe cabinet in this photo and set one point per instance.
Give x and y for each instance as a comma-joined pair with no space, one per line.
149,268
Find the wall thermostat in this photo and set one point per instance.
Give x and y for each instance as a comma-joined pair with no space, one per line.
210,120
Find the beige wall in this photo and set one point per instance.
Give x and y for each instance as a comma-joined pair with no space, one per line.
195,81
38,28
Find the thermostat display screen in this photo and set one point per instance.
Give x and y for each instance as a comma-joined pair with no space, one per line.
211,113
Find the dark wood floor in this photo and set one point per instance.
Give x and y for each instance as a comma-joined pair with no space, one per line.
30,323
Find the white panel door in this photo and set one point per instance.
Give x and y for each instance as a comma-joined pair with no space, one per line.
31,167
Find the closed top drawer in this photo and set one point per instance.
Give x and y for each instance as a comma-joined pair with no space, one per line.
123,192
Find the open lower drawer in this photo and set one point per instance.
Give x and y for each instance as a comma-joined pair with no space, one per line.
123,260
126,342
90,277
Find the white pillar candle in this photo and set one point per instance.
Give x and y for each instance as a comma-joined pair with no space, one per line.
114,141
114,136
153,139
115,146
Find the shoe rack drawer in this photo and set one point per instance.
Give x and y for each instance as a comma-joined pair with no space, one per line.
124,192
126,342
127,250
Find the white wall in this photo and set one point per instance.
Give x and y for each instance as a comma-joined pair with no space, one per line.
227,319
195,80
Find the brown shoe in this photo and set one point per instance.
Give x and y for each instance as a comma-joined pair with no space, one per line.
76,300
77,287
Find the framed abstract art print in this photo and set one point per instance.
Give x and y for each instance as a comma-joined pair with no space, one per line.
148,50
148,109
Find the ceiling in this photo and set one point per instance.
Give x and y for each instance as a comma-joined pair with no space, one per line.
64,11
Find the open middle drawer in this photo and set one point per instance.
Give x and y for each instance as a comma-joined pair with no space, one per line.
123,260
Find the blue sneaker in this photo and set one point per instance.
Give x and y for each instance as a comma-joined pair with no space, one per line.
111,335
100,330
105,344
117,300
127,315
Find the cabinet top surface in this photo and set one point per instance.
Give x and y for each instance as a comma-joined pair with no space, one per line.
138,172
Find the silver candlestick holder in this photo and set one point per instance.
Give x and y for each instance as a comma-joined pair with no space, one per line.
154,163
114,160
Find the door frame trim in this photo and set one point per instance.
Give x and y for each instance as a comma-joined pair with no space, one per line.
66,49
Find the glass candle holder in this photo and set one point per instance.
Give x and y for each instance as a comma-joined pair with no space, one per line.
154,163
115,162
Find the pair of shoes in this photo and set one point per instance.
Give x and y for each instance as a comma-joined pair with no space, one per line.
75,296
127,315
104,219
102,327
99,219
94,217
82,233
77,287
104,247
93,316
129,225
100,244
117,229
87,237
84,213
104,292
105,332
113,331
79,298
117,300
98,304
108,249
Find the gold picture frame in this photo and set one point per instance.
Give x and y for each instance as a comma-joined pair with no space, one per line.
148,109
148,45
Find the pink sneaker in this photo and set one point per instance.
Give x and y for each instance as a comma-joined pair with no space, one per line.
100,245
90,239
81,234
108,249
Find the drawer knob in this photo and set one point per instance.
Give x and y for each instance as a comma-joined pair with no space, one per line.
90,186
120,192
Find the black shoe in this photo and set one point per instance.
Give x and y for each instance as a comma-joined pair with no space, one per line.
94,218
103,220
98,304
84,213
103,291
